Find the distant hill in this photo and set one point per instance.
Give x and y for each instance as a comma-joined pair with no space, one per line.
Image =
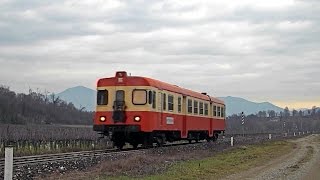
80,96
236,105
36,108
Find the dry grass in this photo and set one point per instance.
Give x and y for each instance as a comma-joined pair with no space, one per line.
230,162
136,166
197,164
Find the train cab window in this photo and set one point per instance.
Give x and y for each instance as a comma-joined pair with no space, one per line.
179,104
206,109
201,108
154,95
219,111
139,97
164,101
222,112
195,107
189,105
102,97
215,111
120,95
170,103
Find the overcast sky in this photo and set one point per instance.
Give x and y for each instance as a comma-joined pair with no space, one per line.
258,50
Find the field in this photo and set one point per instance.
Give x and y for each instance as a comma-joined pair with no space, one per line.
36,139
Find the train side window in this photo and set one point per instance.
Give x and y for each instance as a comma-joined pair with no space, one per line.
170,103
179,104
102,97
219,111
154,95
139,97
215,111
150,99
206,109
201,108
195,107
164,101
189,105
222,112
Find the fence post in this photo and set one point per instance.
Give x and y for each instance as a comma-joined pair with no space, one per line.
8,165
231,140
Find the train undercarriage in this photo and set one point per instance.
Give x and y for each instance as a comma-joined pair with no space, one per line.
147,139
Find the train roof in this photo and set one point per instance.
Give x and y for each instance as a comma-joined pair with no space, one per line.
121,79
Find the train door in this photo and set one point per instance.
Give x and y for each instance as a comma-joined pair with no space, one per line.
211,119
184,117
160,107
119,106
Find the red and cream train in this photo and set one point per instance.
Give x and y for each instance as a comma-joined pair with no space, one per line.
140,110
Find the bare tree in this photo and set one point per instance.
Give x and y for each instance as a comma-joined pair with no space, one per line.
286,112
272,113
294,112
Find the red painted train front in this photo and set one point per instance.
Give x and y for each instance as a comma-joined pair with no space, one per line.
140,110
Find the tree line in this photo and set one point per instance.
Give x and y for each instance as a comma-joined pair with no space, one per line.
39,108
275,122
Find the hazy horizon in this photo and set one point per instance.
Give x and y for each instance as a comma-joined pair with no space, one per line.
293,105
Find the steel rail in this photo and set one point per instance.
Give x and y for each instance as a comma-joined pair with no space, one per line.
51,158
59,157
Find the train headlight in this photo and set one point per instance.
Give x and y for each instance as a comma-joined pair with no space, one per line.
103,118
137,118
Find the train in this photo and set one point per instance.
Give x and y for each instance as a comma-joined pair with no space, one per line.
144,111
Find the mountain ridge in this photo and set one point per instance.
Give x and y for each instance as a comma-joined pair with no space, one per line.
236,105
82,96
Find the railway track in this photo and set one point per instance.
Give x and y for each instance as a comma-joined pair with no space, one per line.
60,157
47,158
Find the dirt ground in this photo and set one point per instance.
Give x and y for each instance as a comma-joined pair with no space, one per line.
302,163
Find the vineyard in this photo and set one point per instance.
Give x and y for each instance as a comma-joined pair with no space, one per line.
44,139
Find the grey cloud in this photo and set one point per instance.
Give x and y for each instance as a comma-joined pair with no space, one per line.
245,51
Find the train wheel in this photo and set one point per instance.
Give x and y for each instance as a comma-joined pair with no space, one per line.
197,138
160,141
118,140
208,139
135,145
215,137
148,140
119,144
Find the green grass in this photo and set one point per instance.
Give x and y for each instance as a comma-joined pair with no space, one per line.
218,166
226,163
223,164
